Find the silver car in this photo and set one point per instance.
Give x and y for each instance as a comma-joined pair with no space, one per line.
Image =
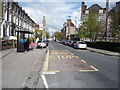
80,44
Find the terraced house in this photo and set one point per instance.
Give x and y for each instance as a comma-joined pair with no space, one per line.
13,18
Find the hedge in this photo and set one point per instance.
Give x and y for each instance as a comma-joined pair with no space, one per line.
110,46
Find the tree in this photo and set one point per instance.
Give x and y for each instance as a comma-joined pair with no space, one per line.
59,35
47,35
90,27
115,25
38,33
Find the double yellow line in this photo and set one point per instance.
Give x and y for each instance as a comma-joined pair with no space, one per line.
46,65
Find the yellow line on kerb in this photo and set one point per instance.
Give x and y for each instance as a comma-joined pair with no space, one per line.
46,61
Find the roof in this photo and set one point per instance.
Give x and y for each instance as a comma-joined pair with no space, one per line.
94,7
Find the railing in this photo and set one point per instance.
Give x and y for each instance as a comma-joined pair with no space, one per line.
7,44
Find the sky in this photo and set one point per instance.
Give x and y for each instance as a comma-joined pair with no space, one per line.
57,11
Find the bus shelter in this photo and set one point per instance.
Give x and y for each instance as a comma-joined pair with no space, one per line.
21,40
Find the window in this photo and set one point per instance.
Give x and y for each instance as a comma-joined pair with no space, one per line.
100,11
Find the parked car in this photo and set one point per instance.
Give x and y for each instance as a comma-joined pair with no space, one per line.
72,43
47,42
66,42
41,44
80,44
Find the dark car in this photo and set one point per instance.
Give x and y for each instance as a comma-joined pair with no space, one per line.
72,44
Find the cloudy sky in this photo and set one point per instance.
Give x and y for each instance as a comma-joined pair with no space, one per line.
57,11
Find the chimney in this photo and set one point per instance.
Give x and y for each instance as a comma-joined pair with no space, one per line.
68,23
83,8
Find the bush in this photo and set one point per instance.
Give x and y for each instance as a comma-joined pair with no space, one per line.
110,46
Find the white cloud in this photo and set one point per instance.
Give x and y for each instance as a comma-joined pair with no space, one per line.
56,13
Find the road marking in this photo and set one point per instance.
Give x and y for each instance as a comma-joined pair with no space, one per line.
76,56
50,72
72,56
45,81
61,53
63,57
94,68
83,61
58,57
52,52
69,56
46,62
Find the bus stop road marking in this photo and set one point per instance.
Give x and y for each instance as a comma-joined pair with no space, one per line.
83,61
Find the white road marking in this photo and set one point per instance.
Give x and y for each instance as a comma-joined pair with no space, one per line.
48,72
44,81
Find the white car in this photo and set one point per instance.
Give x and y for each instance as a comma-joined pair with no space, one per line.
80,44
41,44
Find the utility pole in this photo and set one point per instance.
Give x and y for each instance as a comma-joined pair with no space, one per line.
44,27
106,26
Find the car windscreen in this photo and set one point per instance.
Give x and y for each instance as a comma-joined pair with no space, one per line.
82,42
39,41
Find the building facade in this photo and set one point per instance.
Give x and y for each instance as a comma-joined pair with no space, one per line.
69,30
14,18
101,16
112,13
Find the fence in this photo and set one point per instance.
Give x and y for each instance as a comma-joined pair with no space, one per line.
7,44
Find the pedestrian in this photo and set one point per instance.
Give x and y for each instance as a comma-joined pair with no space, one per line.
31,45
27,44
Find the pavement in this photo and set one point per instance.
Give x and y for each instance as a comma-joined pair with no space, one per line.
105,52
21,70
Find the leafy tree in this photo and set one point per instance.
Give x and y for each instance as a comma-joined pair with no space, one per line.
115,25
90,27
59,35
47,35
38,33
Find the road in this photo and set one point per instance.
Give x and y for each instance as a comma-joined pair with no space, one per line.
66,67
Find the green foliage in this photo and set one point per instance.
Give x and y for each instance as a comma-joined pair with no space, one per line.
59,35
47,35
115,25
38,33
90,26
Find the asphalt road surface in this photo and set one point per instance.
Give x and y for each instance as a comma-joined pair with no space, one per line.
66,67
